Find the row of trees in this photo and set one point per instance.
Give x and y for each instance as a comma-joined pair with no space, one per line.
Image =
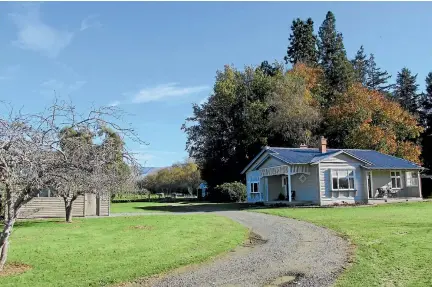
61,150
327,51
181,177
324,93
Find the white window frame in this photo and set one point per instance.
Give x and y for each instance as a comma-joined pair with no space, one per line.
411,180
252,184
396,177
338,177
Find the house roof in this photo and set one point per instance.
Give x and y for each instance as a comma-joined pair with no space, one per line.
371,159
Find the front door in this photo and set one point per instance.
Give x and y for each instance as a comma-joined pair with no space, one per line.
369,184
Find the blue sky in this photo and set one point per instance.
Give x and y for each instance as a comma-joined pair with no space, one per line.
155,59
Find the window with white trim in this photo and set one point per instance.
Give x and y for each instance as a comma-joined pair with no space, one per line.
411,178
342,179
396,181
254,187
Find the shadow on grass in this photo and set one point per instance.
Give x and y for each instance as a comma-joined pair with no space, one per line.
200,207
29,222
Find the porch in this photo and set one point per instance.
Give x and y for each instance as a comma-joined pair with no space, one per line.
286,184
393,185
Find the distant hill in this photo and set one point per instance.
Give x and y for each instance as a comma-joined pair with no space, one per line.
150,170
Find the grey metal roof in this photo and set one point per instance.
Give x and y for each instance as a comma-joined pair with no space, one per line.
371,158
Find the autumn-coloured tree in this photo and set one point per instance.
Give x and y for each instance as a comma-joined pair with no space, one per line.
294,108
180,177
366,119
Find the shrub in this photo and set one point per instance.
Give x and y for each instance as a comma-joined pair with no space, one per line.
232,191
281,196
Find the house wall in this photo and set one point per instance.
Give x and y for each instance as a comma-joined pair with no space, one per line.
253,176
275,187
307,190
51,207
342,162
381,178
271,162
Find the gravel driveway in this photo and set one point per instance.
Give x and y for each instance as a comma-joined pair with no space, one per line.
291,247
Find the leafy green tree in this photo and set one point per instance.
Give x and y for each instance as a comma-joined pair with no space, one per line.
302,43
360,65
338,70
376,79
405,91
225,133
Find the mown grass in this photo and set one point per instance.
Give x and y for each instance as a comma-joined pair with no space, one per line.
103,251
132,207
393,242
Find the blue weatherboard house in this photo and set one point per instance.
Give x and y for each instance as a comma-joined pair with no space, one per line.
326,176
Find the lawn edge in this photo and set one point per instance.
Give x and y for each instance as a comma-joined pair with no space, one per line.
352,250
148,280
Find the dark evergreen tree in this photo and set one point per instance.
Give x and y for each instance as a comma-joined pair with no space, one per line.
406,90
270,70
337,68
360,65
426,103
426,118
376,79
302,43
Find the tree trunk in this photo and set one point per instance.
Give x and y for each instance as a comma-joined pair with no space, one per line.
68,207
4,241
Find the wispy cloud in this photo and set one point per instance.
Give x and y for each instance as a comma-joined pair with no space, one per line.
165,91
114,103
8,72
33,34
53,86
90,21
76,85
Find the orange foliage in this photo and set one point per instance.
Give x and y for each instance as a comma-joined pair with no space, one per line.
313,76
371,121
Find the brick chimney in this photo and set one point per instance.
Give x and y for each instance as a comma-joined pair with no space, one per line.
303,146
323,145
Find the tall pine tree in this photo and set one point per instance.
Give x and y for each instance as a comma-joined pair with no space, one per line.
405,91
360,65
302,43
376,79
338,70
426,104
426,117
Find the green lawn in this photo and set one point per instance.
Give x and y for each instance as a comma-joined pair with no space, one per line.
131,207
394,241
102,251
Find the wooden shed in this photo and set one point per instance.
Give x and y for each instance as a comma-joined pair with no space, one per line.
46,206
